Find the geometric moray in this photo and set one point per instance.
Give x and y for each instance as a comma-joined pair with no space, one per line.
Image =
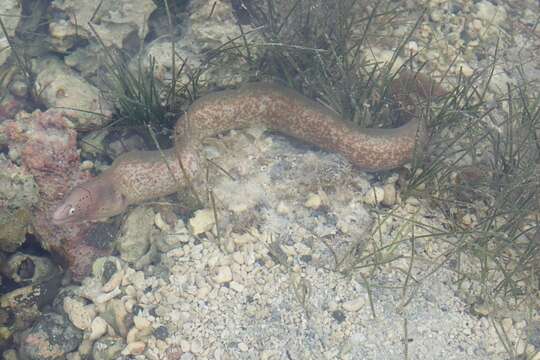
142,175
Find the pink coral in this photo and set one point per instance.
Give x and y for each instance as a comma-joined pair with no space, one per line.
9,106
47,145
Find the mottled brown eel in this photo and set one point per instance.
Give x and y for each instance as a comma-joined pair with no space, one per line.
142,175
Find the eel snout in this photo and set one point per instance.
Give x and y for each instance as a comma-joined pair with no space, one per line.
76,207
91,201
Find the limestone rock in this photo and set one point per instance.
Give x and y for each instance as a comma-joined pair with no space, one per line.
60,87
10,13
201,34
51,337
18,192
135,239
202,221
116,22
28,269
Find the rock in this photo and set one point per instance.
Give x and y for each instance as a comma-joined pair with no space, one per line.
134,240
269,355
390,195
354,305
87,165
13,226
244,238
66,291
223,275
238,257
6,336
108,271
374,196
118,143
132,335
185,345
202,221
474,28
134,348
84,351
465,69
383,57
313,201
93,143
98,328
63,36
161,224
60,87
302,249
468,220
481,309
413,201
196,346
489,13
507,325
203,292
228,246
90,289
339,316
236,286
174,352
17,187
161,332
141,322
25,302
179,235
282,208
10,106
18,193
500,80
9,355
107,348
138,280
411,49
28,269
50,338
533,333
212,32
80,314
203,33
10,13
116,316
86,60
119,23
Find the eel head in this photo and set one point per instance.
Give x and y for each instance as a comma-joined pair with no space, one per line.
93,200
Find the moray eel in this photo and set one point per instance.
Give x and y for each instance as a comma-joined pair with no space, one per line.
142,175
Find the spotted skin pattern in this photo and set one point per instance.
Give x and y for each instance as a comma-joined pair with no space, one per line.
142,175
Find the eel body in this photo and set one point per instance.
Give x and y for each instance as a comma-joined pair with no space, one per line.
142,175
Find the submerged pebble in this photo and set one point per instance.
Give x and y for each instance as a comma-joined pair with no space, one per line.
202,221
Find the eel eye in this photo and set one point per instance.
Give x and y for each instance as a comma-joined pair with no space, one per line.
71,211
